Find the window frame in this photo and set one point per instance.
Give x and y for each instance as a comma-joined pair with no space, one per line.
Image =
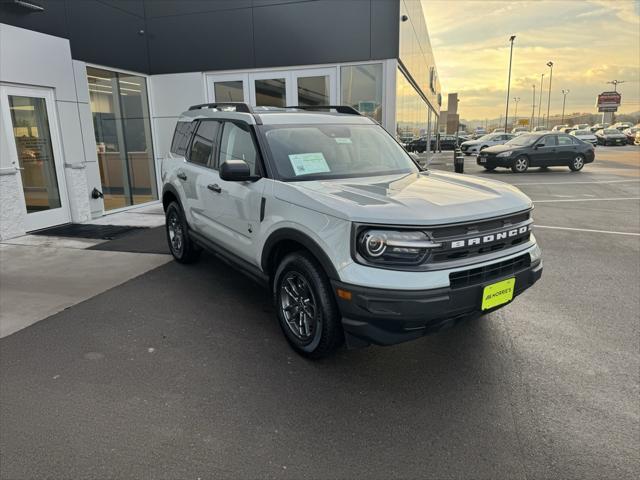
260,169
214,147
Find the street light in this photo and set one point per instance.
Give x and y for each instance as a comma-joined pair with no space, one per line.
540,101
615,84
506,114
564,100
550,65
515,116
533,106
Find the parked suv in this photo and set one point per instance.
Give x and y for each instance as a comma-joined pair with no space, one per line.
355,241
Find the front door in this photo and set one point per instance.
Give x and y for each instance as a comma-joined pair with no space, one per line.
31,126
544,152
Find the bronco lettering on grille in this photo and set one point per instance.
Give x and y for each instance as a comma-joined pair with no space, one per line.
493,237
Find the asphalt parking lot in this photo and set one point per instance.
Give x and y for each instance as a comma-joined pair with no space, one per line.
183,372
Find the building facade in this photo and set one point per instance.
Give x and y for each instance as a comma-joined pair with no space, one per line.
90,90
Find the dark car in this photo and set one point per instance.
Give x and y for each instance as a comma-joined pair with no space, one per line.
611,136
447,142
538,150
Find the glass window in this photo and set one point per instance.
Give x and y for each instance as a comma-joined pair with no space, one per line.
310,152
313,91
548,141
564,140
361,87
237,144
181,137
203,142
229,91
271,92
120,108
35,153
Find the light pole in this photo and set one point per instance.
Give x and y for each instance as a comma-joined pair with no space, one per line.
615,84
515,116
564,100
506,114
533,106
540,101
550,65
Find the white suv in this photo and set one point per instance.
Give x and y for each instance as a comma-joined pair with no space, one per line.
355,241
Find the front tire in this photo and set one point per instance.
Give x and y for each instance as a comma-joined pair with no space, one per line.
520,165
306,309
183,249
577,163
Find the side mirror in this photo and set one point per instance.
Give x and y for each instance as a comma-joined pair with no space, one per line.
236,171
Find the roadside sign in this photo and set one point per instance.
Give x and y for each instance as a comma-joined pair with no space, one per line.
608,101
524,122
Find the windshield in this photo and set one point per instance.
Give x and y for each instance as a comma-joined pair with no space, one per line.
312,152
523,140
581,132
490,136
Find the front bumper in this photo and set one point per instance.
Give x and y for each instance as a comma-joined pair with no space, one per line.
387,317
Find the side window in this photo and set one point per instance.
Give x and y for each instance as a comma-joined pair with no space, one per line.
203,142
181,137
237,144
563,140
548,141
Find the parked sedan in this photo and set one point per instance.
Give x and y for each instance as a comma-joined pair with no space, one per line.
630,133
585,136
599,126
611,136
538,150
475,146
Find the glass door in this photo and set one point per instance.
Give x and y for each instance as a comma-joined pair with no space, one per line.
230,87
316,86
270,89
30,118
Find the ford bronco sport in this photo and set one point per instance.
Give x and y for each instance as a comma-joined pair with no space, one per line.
355,240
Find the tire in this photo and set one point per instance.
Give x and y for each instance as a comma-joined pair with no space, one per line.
577,163
181,246
488,168
520,164
305,306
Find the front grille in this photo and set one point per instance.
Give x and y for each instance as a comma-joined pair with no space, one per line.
455,233
480,275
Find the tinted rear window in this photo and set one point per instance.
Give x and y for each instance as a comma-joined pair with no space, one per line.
181,137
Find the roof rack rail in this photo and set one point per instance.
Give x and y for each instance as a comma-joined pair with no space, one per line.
338,108
239,106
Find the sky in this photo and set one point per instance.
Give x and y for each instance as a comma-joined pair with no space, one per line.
590,43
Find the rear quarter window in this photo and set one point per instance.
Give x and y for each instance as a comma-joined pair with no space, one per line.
181,137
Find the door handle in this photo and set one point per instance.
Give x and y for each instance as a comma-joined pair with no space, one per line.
214,187
181,176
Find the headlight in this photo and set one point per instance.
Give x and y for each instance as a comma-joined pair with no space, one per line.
394,247
505,154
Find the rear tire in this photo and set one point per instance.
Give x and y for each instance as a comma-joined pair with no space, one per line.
183,249
577,163
306,309
520,165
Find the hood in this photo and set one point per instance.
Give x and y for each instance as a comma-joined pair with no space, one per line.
613,135
426,198
471,143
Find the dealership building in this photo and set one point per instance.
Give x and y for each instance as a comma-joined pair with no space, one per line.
90,90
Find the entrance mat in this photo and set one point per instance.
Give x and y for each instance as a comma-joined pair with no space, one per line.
87,230
146,240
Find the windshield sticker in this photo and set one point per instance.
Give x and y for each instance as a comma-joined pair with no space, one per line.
343,140
308,163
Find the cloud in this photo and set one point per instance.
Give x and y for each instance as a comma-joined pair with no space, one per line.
590,43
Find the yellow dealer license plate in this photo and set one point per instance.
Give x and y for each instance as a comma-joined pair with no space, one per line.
498,293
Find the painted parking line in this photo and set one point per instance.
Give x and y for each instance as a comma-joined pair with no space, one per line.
587,230
576,183
558,200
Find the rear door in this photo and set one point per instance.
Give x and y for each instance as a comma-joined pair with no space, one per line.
565,151
198,172
544,151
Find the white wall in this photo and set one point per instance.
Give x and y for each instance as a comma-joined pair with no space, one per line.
34,59
170,95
